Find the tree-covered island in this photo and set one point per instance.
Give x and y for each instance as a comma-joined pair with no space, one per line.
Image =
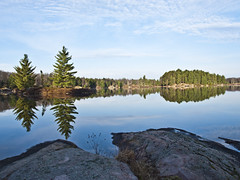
195,78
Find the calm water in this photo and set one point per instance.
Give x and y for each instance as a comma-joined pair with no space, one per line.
207,112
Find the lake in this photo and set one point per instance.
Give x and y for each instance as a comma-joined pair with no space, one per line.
89,122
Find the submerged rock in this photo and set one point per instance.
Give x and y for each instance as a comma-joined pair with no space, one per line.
62,160
176,154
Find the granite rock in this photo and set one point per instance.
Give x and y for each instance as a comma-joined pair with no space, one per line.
62,160
170,153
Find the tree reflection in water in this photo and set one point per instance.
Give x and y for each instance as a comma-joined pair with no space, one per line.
63,111
191,94
24,110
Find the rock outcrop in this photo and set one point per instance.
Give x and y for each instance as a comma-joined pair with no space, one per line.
62,160
176,154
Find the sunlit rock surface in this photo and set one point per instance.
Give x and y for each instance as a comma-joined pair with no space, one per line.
176,154
62,160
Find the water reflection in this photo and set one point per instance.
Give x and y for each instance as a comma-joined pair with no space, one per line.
193,94
7,102
45,103
217,117
124,92
169,94
96,143
25,111
63,111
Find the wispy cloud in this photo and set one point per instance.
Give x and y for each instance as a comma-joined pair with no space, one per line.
211,27
210,18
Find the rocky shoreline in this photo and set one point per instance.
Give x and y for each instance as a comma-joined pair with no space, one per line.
170,153
62,160
166,153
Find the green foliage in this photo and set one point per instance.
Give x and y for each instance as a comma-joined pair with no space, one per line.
196,77
25,111
120,84
63,75
11,81
24,77
92,83
63,111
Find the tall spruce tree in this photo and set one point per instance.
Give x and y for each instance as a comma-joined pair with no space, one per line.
24,77
63,75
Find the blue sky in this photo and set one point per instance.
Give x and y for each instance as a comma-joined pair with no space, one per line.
123,38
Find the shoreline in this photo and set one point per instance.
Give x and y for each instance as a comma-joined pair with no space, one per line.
82,92
154,153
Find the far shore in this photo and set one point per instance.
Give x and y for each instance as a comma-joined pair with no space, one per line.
81,91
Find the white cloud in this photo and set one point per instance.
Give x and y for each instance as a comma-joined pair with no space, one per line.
213,27
209,18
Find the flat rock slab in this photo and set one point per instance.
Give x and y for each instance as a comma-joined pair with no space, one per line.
61,160
176,154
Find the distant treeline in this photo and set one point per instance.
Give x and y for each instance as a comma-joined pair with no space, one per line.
233,80
4,79
115,83
63,76
196,77
46,80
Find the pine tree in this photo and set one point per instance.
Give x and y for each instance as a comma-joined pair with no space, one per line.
25,77
63,75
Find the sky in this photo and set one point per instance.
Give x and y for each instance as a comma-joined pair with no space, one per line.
123,38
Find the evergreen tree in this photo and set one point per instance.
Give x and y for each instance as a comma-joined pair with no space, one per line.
196,77
63,75
11,81
24,77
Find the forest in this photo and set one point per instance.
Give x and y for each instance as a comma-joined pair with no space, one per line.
45,80
233,80
196,77
63,76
